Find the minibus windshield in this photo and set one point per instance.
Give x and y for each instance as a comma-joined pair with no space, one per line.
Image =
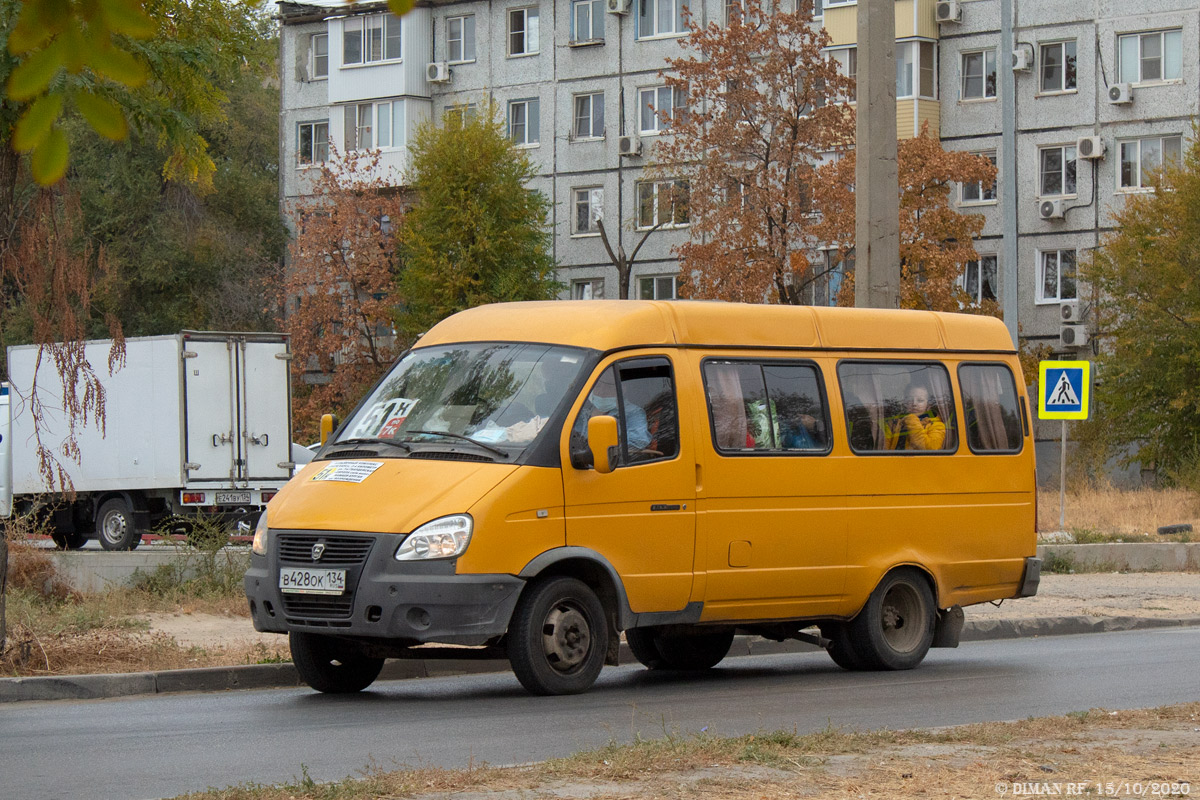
496,396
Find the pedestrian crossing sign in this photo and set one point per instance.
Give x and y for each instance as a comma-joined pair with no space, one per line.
1063,389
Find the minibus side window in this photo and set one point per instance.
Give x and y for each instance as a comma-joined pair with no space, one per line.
898,407
640,393
765,407
993,413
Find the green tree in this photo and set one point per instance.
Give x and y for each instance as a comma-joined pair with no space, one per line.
1145,279
477,232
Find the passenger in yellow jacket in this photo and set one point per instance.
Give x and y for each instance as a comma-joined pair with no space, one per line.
919,429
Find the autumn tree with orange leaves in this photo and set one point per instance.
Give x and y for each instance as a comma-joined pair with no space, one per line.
765,107
935,240
338,293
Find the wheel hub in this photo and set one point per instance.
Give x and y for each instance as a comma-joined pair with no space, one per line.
566,637
900,616
114,527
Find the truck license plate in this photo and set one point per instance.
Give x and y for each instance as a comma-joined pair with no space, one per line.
299,580
233,498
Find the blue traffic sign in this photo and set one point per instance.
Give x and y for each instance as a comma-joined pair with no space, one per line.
1063,389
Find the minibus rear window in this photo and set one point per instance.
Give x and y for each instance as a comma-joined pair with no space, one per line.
898,407
993,413
766,407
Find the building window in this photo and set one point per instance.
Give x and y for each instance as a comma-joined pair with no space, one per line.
1141,157
589,116
589,205
369,125
457,115
662,203
733,11
658,102
660,18
1057,273
590,289
587,21
657,287
1153,56
979,279
1058,67
915,69
1057,171
460,39
370,39
977,192
358,130
847,61
523,121
318,56
313,138
522,31
818,9
979,75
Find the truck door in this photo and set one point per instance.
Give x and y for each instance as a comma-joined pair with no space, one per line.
265,413
210,409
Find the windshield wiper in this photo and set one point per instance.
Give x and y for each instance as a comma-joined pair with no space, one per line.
475,442
368,440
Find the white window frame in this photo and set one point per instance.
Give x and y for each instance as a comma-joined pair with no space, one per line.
648,22
526,104
911,68
988,62
384,119
594,116
315,58
655,283
982,197
847,65
1043,262
366,25
312,160
1068,156
650,98
977,266
588,200
1139,40
1064,72
459,112
595,15
466,36
529,31
655,190
587,289
1140,183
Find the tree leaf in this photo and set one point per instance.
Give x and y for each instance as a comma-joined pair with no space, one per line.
49,162
37,122
127,18
401,7
28,35
120,66
105,116
33,75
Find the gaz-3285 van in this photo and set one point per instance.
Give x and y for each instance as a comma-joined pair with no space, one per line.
533,479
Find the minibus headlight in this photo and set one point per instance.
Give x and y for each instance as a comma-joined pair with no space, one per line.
259,548
445,537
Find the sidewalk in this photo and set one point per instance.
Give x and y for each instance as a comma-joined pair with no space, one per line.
1065,604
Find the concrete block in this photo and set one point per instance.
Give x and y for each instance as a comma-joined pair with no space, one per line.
1133,557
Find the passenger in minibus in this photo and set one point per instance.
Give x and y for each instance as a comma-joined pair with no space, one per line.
919,428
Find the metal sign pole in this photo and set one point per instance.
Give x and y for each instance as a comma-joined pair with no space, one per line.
1062,481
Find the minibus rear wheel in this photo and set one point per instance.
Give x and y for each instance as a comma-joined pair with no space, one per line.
558,638
895,628
331,667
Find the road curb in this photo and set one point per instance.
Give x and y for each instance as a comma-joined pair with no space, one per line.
274,676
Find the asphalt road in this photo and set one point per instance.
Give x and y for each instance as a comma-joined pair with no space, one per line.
161,746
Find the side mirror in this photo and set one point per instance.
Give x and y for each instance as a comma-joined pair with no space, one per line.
329,424
602,441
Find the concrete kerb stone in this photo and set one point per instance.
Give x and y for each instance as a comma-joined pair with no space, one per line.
273,676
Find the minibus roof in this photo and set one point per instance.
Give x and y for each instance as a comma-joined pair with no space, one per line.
613,324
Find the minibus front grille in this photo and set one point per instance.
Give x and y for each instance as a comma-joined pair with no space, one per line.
440,455
296,549
318,606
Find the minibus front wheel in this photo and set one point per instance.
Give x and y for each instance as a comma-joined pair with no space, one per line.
895,628
558,637
331,667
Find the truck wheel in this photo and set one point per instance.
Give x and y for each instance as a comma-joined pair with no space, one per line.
114,526
331,667
895,627
559,637
72,540
643,644
695,651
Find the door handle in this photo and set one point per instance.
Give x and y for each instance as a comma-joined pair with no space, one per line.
260,440
220,439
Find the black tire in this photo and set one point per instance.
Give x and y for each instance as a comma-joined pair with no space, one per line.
895,628
696,651
558,638
72,540
642,643
115,527
330,666
840,649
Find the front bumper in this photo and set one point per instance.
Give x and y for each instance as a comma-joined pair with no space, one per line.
404,602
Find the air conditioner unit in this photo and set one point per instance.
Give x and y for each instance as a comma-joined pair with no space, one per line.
1069,311
1120,94
1050,209
1073,335
948,11
618,6
1022,61
629,146
1089,147
437,72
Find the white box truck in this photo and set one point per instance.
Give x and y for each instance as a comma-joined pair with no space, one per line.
197,422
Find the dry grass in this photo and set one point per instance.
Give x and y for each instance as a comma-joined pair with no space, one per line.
1108,514
1146,747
